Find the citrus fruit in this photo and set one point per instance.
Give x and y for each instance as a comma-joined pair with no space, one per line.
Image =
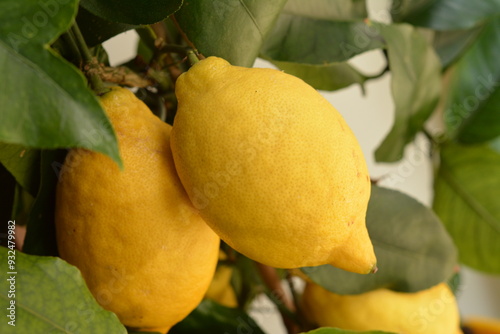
142,250
431,311
482,325
272,167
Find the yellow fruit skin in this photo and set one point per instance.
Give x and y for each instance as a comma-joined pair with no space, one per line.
482,325
143,251
431,311
273,168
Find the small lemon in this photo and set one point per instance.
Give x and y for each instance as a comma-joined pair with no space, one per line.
272,166
220,289
142,250
431,311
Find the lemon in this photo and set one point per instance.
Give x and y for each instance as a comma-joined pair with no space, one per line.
431,311
220,289
272,167
142,250
482,325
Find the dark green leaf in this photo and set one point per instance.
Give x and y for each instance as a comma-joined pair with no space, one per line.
467,189
132,12
231,29
51,297
7,200
339,10
45,100
414,251
471,112
212,318
96,29
41,236
324,77
415,86
23,163
450,45
315,35
444,14
327,330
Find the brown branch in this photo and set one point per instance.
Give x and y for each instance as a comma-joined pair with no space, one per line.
124,76
271,279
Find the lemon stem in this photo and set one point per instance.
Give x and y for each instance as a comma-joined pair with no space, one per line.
192,57
90,63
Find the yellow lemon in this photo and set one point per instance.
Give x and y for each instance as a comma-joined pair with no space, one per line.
431,311
220,289
142,250
482,325
273,168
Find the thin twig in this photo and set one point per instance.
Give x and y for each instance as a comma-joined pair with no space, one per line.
271,279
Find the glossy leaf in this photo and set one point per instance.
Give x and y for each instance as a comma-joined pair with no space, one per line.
51,297
467,189
415,86
41,233
471,112
328,330
324,77
444,14
315,32
45,100
23,164
132,12
212,318
231,29
339,10
414,251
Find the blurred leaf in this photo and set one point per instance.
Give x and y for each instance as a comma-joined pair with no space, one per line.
444,14
41,233
471,112
415,86
51,297
327,330
23,163
340,10
132,12
414,251
212,318
231,29
45,100
450,45
324,77
96,30
314,32
467,189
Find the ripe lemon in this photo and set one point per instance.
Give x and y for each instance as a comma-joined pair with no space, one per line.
142,250
482,325
273,168
220,289
431,311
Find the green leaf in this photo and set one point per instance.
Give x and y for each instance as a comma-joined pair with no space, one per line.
444,14
325,77
471,111
96,29
51,297
212,318
467,189
41,233
340,10
23,163
7,198
132,12
451,44
313,32
230,29
45,100
414,251
415,86
327,330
